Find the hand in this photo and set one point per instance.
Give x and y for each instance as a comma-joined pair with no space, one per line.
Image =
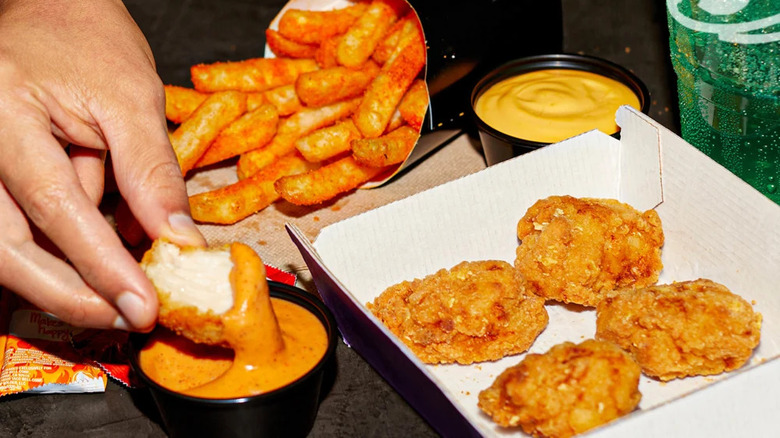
81,72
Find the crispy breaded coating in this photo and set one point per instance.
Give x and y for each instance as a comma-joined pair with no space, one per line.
575,250
474,312
566,391
682,329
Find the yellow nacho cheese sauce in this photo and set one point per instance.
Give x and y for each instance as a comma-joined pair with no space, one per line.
551,105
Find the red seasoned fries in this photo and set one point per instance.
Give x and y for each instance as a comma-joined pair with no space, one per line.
341,103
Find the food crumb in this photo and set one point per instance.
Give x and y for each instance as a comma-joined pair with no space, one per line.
316,218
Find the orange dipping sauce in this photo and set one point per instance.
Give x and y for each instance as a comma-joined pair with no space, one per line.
183,366
273,342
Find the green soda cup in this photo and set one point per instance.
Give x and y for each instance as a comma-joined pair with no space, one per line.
726,54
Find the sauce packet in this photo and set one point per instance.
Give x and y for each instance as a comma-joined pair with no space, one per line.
36,355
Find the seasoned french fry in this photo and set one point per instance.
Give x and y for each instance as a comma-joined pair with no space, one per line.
253,161
180,102
323,87
386,90
289,130
326,182
255,100
414,104
284,99
252,130
282,46
389,42
328,142
326,53
312,27
389,149
395,121
194,135
364,35
309,119
256,74
230,204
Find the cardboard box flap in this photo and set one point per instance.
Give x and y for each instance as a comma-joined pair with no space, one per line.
716,226
641,183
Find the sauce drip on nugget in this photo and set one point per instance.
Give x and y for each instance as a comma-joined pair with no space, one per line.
575,250
220,296
474,312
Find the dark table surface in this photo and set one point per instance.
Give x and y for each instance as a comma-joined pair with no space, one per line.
360,403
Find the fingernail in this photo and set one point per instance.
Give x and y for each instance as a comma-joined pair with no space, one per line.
184,230
133,310
121,324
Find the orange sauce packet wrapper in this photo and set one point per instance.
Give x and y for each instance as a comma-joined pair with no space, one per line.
36,355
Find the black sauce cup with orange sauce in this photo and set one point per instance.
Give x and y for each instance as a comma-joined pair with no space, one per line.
498,146
289,411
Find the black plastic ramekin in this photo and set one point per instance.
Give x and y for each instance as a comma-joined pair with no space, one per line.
289,411
498,146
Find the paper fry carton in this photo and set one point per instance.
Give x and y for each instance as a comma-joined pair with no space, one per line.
716,226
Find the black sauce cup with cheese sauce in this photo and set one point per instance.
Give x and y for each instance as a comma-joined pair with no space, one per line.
288,411
499,146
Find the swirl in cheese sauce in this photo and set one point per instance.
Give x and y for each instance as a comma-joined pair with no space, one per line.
551,105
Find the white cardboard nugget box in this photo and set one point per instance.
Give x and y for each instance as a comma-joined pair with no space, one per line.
715,227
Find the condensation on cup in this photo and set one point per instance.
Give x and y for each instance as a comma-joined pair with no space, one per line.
726,54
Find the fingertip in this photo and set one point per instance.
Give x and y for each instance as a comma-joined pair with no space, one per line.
137,314
182,231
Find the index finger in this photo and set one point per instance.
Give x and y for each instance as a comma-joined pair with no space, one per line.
146,169
40,177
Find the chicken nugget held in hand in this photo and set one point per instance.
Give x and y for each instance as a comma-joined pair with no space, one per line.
209,295
193,288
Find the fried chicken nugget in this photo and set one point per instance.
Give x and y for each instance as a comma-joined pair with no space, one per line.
576,250
566,391
682,329
474,312
193,287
